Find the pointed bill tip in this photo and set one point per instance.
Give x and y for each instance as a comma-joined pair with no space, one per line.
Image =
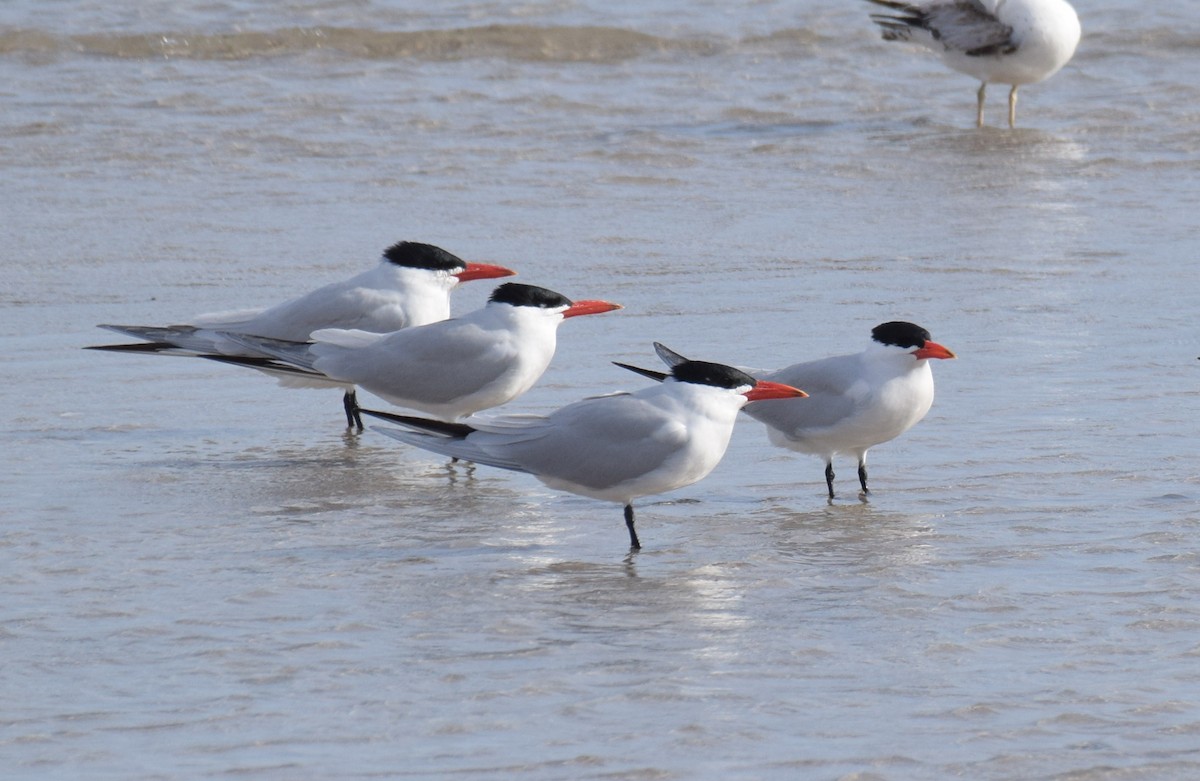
483,271
773,390
590,307
934,350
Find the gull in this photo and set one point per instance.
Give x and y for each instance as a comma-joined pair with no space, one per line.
1011,42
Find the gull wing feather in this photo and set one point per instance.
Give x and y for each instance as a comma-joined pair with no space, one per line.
831,387
185,337
293,353
967,26
448,446
430,365
368,301
595,443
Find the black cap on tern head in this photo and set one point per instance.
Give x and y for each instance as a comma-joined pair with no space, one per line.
517,294
900,334
412,254
716,374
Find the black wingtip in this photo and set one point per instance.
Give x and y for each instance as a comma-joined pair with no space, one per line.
651,373
668,356
253,362
137,347
265,364
425,424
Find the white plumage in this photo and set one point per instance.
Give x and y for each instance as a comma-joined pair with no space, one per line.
615,448
410,287
449,369
1011,42
855,401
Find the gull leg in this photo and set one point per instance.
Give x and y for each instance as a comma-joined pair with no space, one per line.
829,475
862,474
634,542
350,403
1012,107
979,109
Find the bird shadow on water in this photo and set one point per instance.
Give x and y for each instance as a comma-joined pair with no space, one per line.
849,532
917,131
767,129
1006,144
302,480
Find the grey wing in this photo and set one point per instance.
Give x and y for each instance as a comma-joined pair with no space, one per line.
520,442
231,320
449,446
432,364
293,353
185,337
340,305
969,27
346,304
830,385
597,442
192,340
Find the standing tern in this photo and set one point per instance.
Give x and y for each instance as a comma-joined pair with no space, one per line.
855,401
410,287
449,369
1011,42
616,448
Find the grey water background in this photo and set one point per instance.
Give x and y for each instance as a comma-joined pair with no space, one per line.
204,576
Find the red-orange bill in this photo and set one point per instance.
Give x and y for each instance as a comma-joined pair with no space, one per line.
934,350
483,271
773,390
590,307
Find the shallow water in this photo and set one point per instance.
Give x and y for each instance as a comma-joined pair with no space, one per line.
205,575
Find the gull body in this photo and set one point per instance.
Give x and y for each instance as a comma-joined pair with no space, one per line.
449,369
410,286
1010,42
855,401
615,448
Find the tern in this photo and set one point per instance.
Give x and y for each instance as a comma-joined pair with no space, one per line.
410,287
617,447
1010,42
449,369
855,401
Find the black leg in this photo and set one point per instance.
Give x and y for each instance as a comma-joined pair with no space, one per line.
829,475
633,538
862,476
350,403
